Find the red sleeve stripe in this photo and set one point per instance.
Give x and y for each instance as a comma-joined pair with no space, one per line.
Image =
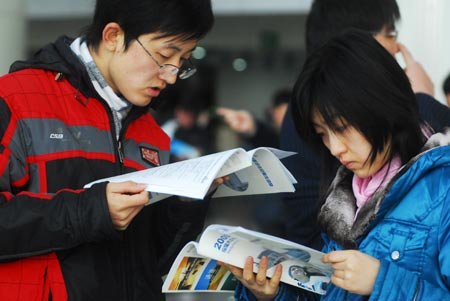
36,195
7,195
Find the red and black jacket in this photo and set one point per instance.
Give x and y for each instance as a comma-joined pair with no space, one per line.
57,241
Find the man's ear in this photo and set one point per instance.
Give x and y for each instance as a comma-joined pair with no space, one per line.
113,36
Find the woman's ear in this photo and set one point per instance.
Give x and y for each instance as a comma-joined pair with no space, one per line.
113,37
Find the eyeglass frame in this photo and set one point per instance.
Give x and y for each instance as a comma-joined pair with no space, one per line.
393,34
168,70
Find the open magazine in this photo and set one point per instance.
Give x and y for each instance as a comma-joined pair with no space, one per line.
195,273
258,171
195,267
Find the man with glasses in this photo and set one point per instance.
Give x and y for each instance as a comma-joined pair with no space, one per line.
76,112
167,70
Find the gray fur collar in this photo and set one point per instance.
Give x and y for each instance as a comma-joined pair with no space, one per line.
338,212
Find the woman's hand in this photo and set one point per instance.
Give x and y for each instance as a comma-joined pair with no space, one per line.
354,271
263,288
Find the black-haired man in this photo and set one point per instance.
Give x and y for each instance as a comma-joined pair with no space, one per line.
74,113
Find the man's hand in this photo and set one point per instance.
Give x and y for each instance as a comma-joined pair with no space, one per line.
125,201
354,271
420,81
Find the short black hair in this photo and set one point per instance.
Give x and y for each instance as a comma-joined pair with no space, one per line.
446,85
354,79
329,18
187,19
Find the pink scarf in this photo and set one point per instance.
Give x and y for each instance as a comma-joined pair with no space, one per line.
364,188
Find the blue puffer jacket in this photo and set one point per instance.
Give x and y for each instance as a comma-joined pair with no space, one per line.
406,226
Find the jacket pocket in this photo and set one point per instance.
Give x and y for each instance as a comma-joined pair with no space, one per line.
403,243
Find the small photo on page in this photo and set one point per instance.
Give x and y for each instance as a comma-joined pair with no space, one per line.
237,182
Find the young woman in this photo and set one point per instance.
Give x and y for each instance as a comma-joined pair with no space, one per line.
386,214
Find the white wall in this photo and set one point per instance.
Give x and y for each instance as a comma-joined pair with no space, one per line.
47,9
253,88
425,30
12,32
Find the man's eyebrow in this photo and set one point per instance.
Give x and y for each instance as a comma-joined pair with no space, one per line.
178,49
173,47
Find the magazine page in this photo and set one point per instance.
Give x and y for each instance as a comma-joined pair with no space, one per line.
194,273
189,178
280,154
266,175
302,266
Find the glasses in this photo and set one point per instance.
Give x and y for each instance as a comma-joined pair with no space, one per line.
393,34
168,70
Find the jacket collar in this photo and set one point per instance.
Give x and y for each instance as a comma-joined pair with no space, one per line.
58,57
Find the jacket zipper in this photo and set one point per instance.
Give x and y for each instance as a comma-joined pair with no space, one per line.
127,273
120,151
416,294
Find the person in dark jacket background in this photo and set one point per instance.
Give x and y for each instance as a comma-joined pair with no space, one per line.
76,112
446,89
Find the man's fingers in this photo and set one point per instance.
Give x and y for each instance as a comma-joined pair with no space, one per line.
407,56
127,187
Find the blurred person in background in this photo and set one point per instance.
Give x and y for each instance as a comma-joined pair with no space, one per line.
446,89
265,211
191,127
255,132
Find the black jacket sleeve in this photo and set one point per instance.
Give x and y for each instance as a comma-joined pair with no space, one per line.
436,114
34,224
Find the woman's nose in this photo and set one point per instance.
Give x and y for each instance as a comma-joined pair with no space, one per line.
336,146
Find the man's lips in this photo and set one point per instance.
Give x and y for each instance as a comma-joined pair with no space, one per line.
154,92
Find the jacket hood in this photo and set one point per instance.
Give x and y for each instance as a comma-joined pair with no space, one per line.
337,214
58,57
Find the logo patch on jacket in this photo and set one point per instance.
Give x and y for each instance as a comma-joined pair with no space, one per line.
150,156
